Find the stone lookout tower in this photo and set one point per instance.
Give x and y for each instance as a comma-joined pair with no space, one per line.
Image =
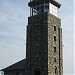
44,39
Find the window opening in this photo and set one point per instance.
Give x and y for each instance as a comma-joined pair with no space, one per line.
54,28
55,38
55,60
54,49
56,70
37,73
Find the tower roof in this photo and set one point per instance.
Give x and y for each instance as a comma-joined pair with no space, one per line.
51,1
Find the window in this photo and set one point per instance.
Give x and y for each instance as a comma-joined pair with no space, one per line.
54,49
42,8
54,28
55,38
38,10
56,71
37,73
34,5
46,2
38,4
42,2
46,8
17,73
55,60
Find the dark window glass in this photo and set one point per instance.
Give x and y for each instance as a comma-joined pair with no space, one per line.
38,10
34,5
38,3
54,38
46,7
42,8
37,73
54,28
46,2
54,49
42,2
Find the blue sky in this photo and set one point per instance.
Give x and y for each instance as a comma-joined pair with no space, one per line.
13,22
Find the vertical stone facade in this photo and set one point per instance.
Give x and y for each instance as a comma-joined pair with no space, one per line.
54,30
37,44
43,37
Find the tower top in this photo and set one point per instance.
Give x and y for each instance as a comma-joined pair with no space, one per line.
55,3
42,6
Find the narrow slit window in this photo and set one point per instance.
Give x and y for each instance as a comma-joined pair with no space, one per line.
55,38
56,70
54,49
54,28
55,60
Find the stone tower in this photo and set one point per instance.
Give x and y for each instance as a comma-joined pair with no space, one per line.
44,39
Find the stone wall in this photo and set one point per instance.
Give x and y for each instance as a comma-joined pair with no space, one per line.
40,45
37,44
54,21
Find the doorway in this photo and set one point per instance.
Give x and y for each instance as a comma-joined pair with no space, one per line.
37,73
